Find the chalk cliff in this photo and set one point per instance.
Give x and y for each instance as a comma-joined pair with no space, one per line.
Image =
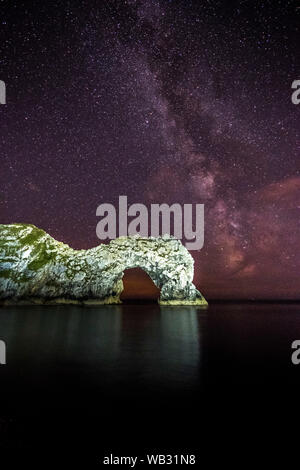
34,267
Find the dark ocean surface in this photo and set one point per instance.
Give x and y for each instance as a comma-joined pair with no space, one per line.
80,383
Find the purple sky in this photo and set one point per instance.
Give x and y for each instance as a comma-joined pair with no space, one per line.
163,101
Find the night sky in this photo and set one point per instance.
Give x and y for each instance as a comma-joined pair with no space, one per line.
163,101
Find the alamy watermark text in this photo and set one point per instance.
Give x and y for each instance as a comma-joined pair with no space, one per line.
185,222
2,352
2,92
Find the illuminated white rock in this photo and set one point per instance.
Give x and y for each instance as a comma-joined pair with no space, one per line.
35,267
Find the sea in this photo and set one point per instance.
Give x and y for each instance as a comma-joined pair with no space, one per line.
79,384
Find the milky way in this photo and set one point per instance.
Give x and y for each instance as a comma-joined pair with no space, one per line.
163,101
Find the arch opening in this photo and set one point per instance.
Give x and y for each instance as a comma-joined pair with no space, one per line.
138,285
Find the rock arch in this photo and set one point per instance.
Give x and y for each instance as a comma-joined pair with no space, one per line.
165,260
36,267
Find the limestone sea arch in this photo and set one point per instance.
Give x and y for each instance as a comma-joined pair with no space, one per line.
34,267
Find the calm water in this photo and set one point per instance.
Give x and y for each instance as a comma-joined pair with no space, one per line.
140,377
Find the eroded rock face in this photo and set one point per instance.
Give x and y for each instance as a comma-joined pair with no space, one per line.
35,267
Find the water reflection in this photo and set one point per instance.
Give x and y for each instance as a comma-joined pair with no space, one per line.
111,350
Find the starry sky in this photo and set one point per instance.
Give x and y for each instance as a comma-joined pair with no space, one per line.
164,101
